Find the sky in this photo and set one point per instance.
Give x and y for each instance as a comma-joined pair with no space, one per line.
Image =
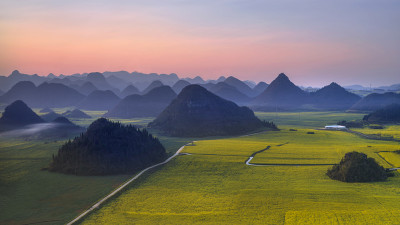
313,42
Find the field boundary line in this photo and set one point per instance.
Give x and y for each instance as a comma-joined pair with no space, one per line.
367,136
101,201
277,164
393,166
97,204
390,164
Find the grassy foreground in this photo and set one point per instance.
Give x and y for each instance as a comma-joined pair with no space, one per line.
213,185
30,195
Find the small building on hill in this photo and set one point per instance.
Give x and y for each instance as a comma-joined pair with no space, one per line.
335,127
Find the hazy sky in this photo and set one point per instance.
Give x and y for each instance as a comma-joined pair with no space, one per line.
313,42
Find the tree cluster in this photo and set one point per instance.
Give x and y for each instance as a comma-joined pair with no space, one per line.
357,167
108,148
353,123
270,124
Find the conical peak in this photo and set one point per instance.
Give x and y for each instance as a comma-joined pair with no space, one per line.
156,82
17,104
15,73
231,78
282,76
18,113
25,84
193,88
334,84
95,75
62,120
282,79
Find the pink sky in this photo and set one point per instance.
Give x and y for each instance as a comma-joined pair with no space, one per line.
76,38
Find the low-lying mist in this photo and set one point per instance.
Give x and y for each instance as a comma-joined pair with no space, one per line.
40,130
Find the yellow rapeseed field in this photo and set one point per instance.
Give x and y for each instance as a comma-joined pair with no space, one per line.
213,185
388,131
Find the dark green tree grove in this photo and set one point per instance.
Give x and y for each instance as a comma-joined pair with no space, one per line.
108,148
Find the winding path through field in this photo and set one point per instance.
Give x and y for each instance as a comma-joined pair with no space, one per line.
134,178
275,164
96,205
123,186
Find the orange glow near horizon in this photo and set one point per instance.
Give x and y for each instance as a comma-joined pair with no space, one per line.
73,53
84,37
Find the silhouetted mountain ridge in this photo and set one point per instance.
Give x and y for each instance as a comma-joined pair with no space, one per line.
99,100
179,85
281,93
333,97
387,114
376,101
196,112
17,115
229,92
45,95
49,117
240,86
260,87
154,84
150,104
76,113
129,90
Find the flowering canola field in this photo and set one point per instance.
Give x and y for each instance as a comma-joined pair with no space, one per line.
213,185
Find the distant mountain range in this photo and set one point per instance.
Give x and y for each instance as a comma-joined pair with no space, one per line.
282,94
7,82
99,100
44,95
104,91
18,120
147,105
